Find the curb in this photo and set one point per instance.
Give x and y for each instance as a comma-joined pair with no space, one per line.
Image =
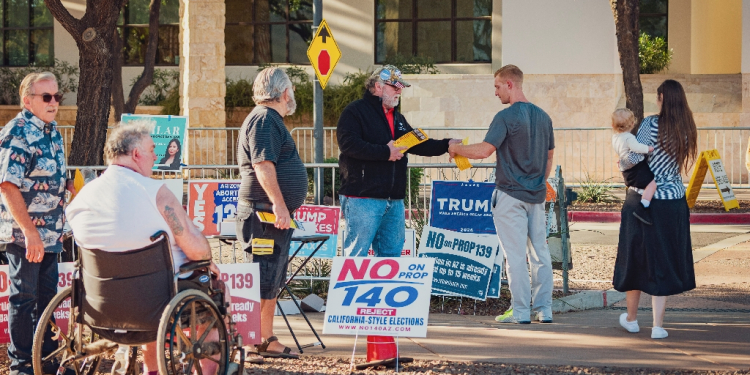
586,300
698,218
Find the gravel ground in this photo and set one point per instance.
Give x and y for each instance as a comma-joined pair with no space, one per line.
329,365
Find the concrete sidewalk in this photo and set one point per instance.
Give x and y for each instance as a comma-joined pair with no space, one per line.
697,340
709,328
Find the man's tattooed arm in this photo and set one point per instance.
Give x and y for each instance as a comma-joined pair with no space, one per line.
173,221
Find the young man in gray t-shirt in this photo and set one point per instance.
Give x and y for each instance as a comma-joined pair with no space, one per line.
523,139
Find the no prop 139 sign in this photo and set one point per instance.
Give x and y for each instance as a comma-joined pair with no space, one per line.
379,296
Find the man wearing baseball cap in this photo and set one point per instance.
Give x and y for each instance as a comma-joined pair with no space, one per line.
373,170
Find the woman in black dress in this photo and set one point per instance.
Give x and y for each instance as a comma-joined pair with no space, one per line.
172,158
658,259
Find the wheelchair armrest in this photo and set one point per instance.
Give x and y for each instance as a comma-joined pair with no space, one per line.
194,265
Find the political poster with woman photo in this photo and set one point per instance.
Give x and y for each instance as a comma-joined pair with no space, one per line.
169,138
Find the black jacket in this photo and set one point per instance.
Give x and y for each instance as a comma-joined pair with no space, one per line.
363,134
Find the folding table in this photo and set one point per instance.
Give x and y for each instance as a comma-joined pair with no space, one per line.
318,239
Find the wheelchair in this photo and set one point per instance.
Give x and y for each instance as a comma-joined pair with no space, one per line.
131,298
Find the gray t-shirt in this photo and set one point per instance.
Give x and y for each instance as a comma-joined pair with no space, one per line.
263,137
522,135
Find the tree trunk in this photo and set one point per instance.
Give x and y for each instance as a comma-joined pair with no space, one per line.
118,96
626,14
94,34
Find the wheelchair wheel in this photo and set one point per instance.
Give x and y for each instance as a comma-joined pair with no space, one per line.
64,350
183,330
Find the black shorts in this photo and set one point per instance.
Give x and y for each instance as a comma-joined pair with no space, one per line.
272,266
639,176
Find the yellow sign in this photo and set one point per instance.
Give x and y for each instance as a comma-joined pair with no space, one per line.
323,53
710,160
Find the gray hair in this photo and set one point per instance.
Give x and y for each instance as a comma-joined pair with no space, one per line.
371,80
126,137
269,85
24,89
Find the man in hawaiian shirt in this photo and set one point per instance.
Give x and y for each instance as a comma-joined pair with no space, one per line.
32,185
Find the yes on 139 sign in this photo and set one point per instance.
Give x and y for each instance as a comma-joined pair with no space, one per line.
379,296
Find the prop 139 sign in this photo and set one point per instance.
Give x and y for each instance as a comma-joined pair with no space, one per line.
379,296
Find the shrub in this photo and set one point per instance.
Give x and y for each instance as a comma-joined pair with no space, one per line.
10,79
328,189
593,191
412,64
171,104
653,54
164,82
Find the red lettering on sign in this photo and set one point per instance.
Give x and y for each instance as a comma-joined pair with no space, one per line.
351,266
324,62
374,274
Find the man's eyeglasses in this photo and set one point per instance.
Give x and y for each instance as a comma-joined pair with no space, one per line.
48,97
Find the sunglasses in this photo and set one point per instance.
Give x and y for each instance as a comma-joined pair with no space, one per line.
48,97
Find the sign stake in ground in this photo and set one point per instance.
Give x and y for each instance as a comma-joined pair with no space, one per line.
323,53
710,160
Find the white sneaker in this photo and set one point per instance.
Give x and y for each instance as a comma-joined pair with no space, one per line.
658,333
631,327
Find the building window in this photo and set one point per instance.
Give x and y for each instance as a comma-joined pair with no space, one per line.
268,31
444,30
26,29
133,28
653,18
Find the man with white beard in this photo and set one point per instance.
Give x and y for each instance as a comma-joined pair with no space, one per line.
373,170
273,180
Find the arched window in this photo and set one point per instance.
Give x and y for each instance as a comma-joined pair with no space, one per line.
26,31
444,30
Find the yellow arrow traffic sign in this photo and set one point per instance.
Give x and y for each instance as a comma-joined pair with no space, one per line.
323,53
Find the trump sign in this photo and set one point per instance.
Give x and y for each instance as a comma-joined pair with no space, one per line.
379,296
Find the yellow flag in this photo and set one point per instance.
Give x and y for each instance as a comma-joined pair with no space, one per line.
78,183
462,162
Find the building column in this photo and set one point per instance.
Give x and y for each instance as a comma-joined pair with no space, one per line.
203,80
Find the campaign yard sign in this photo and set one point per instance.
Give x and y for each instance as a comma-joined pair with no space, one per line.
462,206
379,296
463,261
243,283
168,131
210,202
325,220
410,244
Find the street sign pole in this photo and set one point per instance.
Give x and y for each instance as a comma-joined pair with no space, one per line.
318,113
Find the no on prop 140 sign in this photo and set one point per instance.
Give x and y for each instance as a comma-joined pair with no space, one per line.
379,296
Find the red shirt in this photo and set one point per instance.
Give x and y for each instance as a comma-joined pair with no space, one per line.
389,117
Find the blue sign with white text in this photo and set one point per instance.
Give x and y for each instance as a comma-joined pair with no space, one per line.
462,206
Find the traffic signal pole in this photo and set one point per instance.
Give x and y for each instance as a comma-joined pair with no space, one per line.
318,113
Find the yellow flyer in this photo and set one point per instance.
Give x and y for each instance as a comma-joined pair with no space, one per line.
462,162
262,246
411,139
269,218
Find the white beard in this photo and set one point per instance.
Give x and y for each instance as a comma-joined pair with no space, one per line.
291,105
390,101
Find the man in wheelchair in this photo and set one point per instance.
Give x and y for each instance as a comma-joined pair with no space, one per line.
122,209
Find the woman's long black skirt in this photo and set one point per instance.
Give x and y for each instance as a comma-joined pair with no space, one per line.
656,259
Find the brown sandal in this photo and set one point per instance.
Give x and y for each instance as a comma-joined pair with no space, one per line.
285,354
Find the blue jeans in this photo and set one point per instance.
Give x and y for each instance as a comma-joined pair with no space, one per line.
32,287
376,222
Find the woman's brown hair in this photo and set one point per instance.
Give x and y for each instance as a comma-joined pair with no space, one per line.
678,136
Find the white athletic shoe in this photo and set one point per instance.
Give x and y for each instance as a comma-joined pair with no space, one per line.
658,333
631,327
